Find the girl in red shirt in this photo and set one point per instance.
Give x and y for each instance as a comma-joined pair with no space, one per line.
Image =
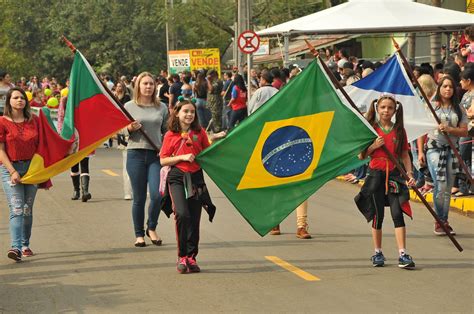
384,185
18,144
184,140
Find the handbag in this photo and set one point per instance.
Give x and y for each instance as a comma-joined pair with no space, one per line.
165,170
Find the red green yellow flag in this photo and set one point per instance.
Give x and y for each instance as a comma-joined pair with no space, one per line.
91,117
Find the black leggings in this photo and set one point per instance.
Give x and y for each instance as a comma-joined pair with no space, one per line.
187,215
84,167
379,198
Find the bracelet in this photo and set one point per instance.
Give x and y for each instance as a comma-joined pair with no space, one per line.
11,173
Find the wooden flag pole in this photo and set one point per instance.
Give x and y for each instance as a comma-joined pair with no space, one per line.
117,101
428,103
389,154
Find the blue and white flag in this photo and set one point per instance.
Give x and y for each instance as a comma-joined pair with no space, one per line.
392,78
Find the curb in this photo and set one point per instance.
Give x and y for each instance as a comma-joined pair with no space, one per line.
463,204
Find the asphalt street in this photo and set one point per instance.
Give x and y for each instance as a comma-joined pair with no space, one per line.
85,260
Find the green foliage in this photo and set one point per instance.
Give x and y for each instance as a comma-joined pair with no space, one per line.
122,36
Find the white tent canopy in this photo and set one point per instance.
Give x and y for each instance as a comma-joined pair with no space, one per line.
375,16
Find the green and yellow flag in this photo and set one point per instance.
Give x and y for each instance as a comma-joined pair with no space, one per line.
277,158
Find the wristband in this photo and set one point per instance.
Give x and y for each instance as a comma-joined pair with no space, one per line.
11,173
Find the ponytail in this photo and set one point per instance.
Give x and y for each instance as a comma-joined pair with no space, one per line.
399,129
372,113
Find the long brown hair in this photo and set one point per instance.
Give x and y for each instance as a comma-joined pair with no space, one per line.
454,98
136,89
8,112
173,120
398,125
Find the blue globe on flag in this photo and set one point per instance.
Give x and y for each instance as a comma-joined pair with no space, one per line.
287,152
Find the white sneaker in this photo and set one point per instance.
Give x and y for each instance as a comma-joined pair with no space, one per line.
127,197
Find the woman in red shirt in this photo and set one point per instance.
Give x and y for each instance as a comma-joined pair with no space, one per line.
384,185
18,143
238,103
184,140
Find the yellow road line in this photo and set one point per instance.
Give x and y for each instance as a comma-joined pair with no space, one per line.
295,270
110,172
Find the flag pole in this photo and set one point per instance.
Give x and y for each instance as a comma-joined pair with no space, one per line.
117,101
389,154
428,103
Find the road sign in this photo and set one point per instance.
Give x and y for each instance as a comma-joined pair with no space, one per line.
248,42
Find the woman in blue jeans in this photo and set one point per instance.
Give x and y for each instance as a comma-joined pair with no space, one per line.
143,163
442,163
18,143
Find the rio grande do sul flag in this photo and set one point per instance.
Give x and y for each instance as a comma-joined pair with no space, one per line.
277,158
91,117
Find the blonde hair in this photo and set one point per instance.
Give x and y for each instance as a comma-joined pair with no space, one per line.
136,89
428,85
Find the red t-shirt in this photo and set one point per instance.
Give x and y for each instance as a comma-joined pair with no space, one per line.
240,98
378,158
195,142
21,139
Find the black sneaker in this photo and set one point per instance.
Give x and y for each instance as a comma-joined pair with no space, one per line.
405,261
14,254
378,260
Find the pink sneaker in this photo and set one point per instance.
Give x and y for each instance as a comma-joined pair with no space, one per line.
193,266
27,252
182,266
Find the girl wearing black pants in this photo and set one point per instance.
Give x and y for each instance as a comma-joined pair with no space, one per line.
185,182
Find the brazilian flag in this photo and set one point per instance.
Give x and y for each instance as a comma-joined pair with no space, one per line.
277,158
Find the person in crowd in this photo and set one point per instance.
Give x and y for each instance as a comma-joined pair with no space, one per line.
200,93
121,92
164,90
19,139
442,163
422,174
34,84
36,101
214,99
468,50
277,78
253,80
227,95
186,88
185,181
143,164
384,184
238,102
175,90
80,175
5,85
465,145
264,93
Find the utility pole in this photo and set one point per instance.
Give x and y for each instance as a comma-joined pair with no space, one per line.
170,36
243,24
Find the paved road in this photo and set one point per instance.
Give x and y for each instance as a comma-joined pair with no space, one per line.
86,261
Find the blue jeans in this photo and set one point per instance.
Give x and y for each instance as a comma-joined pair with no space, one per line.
203,113
465,150
20,198
441,189
143,167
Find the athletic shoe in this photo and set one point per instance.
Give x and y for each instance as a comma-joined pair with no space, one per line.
450,229
378,260
182,265
438,230
14,254
302,233
27,252
193,266
405,261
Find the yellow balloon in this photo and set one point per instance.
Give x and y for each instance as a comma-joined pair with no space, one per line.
48,92
53,102
64,92
29,95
